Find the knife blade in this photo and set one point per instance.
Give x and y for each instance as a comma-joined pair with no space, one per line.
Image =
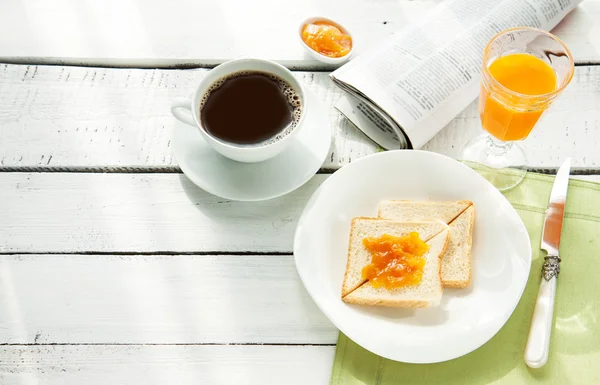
556,210
538,342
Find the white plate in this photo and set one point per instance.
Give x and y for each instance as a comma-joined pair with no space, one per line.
467,318
233,180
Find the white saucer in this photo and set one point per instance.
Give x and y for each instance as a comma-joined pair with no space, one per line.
233,180
466,318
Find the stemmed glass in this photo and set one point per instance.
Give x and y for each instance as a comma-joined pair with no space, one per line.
508,113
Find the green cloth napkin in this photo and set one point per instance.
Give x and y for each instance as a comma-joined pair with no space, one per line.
575,344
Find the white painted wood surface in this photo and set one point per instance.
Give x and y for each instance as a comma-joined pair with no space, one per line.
75,299
201,32
160,365
140,213
181,313
78,212
153,299
69,117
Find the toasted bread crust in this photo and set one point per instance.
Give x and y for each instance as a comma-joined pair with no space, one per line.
467,203
387,302
464,284
456,284
444,247
348,264
441,255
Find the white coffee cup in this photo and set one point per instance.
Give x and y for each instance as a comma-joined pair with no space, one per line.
188,110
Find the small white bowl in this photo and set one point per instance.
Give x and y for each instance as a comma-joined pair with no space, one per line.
318,56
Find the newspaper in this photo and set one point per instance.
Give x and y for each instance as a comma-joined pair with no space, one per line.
404,90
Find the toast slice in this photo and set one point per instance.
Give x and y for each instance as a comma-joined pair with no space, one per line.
444,211
456,262
428,293
362,227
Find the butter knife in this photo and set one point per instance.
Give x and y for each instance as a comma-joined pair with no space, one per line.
538,343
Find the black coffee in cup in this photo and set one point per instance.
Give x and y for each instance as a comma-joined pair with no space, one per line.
250,108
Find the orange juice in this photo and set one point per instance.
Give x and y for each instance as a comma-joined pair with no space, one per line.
512,117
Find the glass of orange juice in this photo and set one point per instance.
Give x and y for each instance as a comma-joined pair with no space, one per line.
523,72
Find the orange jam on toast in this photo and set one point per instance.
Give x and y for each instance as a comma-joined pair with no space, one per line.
326,39
396,261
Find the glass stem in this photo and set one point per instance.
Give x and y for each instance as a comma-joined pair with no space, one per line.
497,147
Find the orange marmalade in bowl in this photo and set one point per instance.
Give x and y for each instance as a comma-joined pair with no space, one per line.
396,261
326,39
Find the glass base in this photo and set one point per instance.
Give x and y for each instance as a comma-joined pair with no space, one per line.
503,164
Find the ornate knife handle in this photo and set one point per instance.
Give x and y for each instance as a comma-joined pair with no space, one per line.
551,267
538,343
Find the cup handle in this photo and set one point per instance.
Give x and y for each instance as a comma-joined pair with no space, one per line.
180,108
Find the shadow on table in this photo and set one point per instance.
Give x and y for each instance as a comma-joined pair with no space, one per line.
265,225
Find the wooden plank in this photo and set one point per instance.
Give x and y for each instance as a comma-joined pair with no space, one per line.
135,33
589,178
139,213
159,365
117,118
157,299
65,118
181,299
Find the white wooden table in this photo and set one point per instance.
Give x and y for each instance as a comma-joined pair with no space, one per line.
114,268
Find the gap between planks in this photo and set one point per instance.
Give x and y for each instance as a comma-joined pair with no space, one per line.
155,253
181,66
165,344
101,365
177,170
116,120
139,300
292,66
